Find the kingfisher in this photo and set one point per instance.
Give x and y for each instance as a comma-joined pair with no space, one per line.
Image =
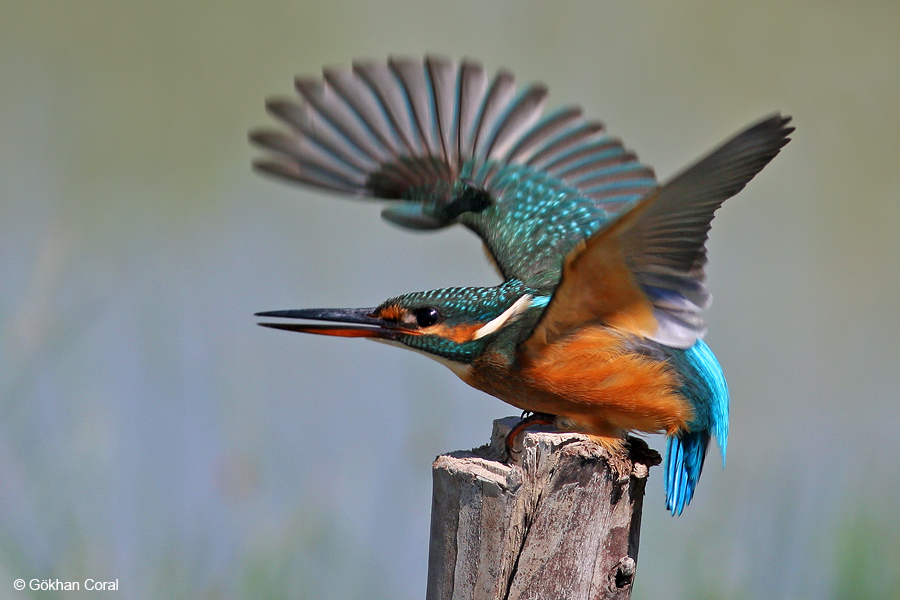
596,326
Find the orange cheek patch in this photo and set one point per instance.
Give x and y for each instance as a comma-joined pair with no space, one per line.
459,334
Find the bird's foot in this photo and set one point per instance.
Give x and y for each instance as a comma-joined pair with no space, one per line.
528,419
640,452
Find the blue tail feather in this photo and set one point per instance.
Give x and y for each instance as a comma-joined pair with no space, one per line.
684,462
705,387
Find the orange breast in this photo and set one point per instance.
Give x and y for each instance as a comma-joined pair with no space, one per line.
592,381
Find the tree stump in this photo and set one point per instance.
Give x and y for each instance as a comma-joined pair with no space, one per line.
559,521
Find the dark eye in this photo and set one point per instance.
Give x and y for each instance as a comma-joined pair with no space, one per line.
426,316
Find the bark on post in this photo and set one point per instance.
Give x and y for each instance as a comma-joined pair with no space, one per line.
561,522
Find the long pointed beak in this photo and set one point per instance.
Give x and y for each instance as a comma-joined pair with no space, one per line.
364,324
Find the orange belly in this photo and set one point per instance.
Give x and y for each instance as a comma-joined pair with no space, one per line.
592,382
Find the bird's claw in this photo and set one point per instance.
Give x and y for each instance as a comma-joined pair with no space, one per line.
529,418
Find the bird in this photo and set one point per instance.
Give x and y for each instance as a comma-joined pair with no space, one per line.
596,326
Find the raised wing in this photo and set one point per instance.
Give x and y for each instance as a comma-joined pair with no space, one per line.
449,145
644,273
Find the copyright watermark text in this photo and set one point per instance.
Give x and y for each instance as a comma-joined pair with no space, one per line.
58,585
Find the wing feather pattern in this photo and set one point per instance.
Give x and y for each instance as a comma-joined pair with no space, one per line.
422,131
644,273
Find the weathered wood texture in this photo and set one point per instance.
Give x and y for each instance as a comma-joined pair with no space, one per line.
561,522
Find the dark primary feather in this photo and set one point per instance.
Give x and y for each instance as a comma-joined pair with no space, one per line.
425,132
671,233
665,245
661,243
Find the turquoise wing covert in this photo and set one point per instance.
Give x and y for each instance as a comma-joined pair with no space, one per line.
449,145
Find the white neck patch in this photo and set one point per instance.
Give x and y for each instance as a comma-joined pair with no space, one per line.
507,316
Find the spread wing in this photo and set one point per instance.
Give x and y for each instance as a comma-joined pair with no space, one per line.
447,145
644,273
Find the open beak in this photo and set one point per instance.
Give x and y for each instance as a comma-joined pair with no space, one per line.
364,324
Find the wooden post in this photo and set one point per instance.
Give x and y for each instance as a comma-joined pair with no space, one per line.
561,522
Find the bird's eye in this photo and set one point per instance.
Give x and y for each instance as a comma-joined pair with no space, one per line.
426,316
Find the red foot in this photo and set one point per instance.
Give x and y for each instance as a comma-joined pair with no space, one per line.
525,423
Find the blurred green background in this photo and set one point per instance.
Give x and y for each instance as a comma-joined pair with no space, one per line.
151,432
